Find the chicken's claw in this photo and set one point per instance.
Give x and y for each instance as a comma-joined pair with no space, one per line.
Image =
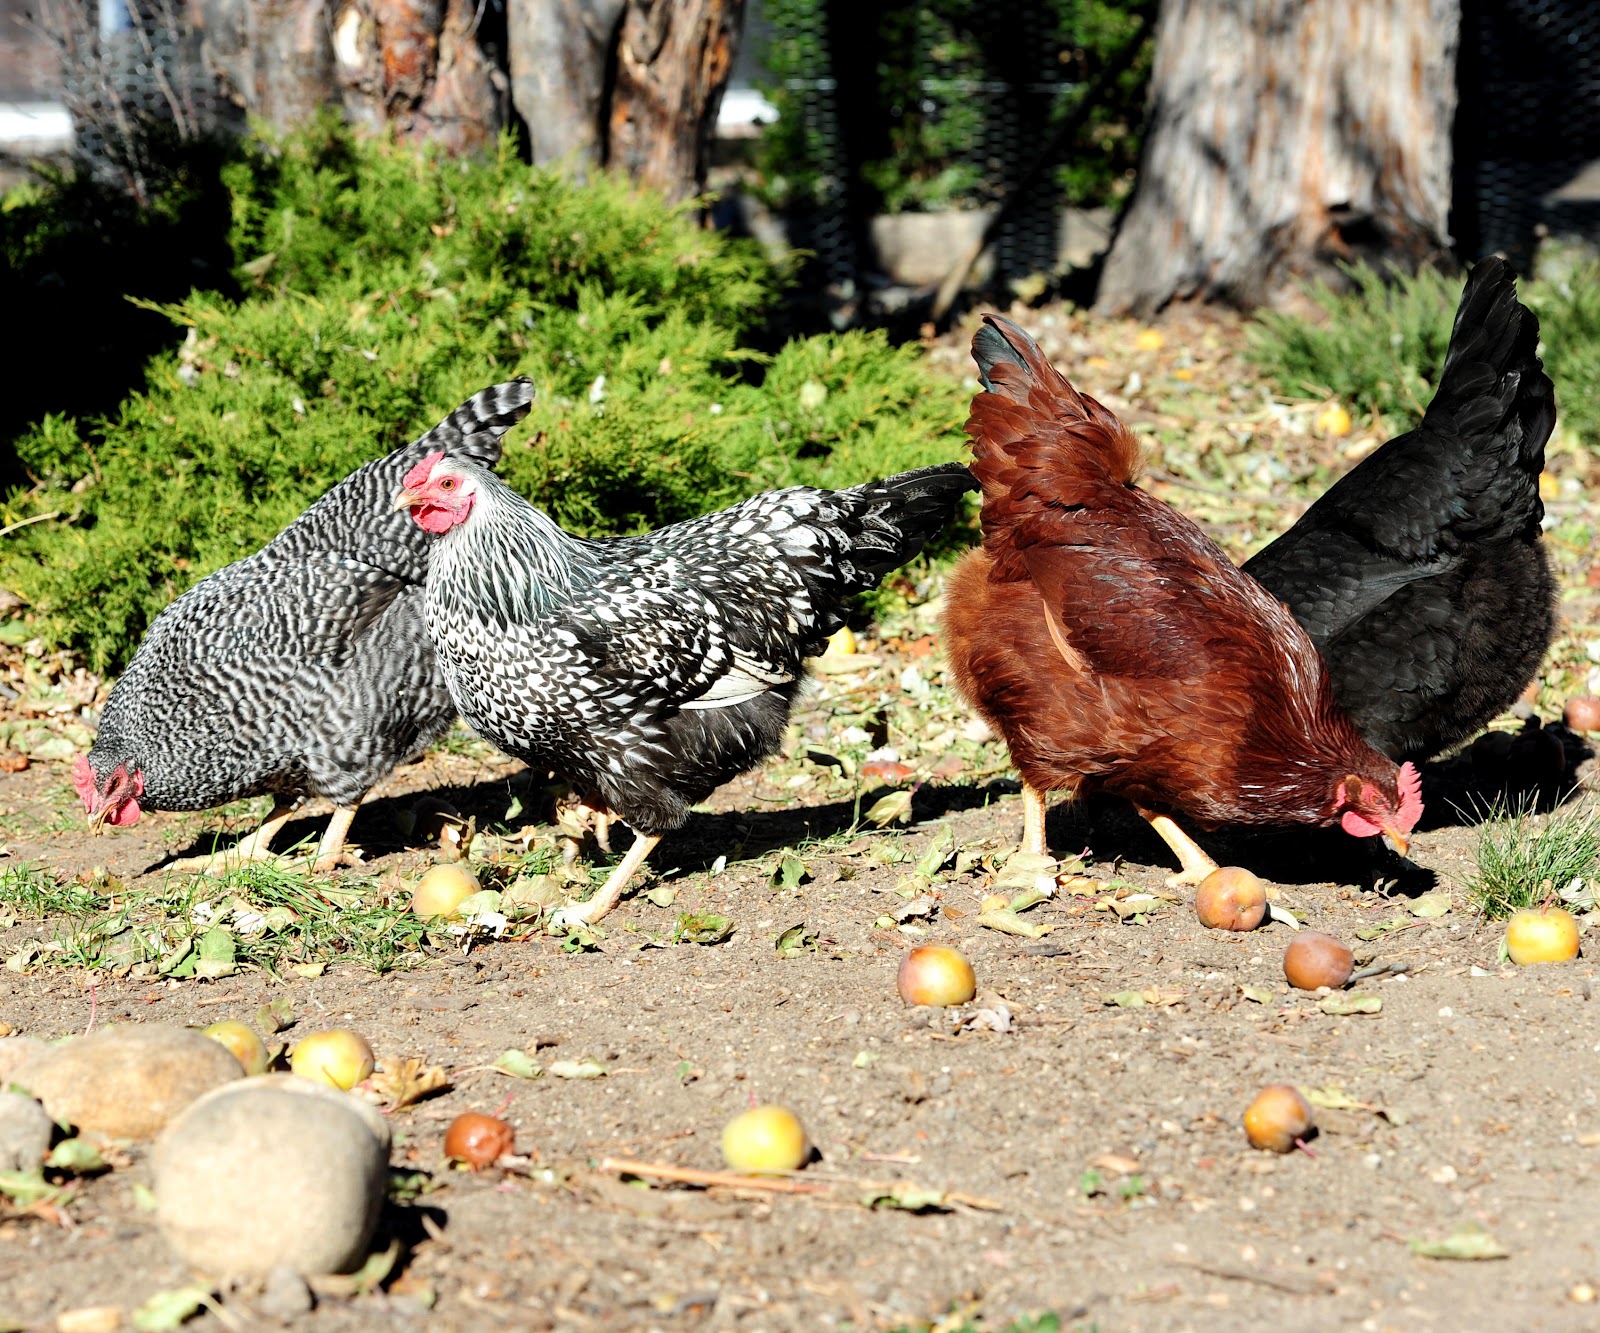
608,894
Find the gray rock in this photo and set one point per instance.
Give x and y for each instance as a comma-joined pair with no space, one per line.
286,1294
272,1171
126,1082
25,1132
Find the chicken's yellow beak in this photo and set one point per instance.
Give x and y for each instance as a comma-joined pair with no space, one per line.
407,499
1398,841
97,821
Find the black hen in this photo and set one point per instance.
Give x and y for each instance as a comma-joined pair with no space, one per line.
1420,574
302,670
651,669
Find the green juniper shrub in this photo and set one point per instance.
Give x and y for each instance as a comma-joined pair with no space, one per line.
396,284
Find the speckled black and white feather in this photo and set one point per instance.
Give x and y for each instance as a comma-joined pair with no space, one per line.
304,669
654,668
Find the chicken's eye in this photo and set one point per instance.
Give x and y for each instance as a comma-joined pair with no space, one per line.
448,484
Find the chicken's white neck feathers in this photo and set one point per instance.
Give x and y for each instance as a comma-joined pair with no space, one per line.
508,554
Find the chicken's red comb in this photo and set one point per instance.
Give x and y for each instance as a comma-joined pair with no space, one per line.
423,470
1410,784
84,781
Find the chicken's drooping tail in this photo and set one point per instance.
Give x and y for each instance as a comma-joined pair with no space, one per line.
1493,392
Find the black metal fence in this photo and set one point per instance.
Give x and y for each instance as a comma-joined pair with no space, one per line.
1527,125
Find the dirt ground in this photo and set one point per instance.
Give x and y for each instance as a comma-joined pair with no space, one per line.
1088,1162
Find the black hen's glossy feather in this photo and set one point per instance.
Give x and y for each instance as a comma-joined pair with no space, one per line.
1420,575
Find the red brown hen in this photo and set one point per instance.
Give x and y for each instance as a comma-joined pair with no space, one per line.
1116,648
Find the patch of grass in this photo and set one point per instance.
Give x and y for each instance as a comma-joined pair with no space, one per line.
1520,864
265,915
272,916
1381,344
29,891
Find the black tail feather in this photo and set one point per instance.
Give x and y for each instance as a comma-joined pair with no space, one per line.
899,515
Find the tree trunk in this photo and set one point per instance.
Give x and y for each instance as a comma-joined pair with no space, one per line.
633,84
412,64
560,53
1285,135
673,61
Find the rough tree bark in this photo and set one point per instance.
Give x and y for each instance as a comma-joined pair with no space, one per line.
632,84
560,52
673,61
412,64
1284,135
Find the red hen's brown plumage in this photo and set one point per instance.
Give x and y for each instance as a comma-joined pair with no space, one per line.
1168,677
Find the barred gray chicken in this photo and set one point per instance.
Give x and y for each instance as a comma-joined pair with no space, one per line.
649,670
302,670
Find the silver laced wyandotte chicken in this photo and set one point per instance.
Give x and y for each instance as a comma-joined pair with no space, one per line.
1116,648
649,670
1420,574
302,670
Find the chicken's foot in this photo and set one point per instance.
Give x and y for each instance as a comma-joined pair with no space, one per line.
586,914
256,847
1033,812
1196,864
330,851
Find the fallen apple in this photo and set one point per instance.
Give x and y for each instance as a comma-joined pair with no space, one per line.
1279,1119
1541,935
248,1049
1230,898
442,890
935,975
764,1141
1582,713
340,1058
1333,420
1314,960
478,1140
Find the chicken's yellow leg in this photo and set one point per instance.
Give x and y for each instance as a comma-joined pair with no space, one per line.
1196,864
586,914
1033,811
330,851
256,847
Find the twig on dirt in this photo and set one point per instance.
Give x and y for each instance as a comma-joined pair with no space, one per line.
685,1175
1377,970
94,1008
1298,1286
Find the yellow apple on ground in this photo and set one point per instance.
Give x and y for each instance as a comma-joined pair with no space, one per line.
340,1058
442,890
1230,898
1541,935
247,1048
935,975
1279,1118
765,1140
